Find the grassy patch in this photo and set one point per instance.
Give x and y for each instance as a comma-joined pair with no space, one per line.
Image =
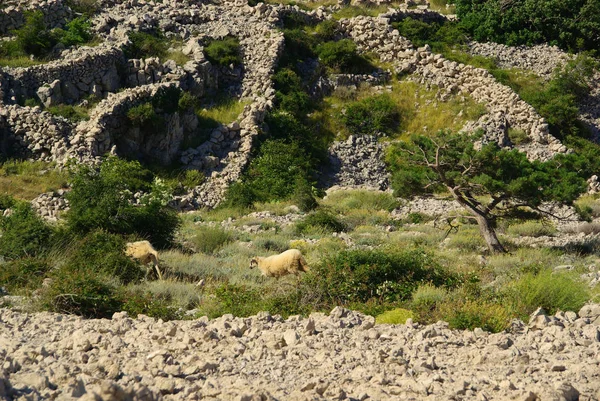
419,110
394,316
26,179
532,229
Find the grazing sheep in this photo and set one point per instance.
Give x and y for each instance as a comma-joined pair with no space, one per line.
145,253
288,262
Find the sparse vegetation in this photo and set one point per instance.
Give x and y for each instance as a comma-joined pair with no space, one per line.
224,52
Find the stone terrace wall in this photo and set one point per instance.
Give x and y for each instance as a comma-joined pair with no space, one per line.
375,34
32,133
90,71
56,13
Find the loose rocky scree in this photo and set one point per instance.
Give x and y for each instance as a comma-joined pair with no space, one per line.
341,356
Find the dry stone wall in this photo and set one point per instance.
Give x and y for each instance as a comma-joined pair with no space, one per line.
375,34
56,13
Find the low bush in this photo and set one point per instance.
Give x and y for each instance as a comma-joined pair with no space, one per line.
137,301
359,276
23,233
394,316
104,253
340,55
467,315
303,196
274,172
320,219
425,300
518,136
224,52
80,292
376,114
144,45
142,115
101,198
532,229
70,112
552,292
23,274
239,195
238,300
272,244
77,32
210,239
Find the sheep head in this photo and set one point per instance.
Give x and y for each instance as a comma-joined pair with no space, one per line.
254,263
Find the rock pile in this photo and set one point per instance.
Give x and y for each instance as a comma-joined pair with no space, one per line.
56,13
341,356
356,162
50,204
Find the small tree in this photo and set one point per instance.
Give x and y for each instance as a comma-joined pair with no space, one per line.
490,183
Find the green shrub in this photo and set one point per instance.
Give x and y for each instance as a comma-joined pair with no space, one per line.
85,7
275,171
187,101
394,316
101,199
23,233
104,253
467,315
532,229
552,292
192,178
167,99
210,239
80,292
442,37
33,37
272,244
303,196
338,55
239,195
77,32
358,276
238,300
224,52
425,300
23,274
518,136
372,115
327,30
144,45
73,113
320,219
142,115
137,301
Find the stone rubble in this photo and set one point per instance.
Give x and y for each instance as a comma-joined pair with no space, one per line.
341,356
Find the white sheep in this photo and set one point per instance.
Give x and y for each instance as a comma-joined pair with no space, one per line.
288,262
145,253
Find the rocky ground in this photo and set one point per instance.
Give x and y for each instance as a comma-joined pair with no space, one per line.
341,356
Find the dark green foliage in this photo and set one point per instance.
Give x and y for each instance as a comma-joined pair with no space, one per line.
101,198
35,38
23,233
304,197
276,169
68,111
210,239
77,32
238,300
321,219
571,24
359,276
144,45
23,274
143,116
299,46
239,195
377,114
136,302
502,177
340,55
224,52
327,30
104,253
440,36
188,102
80,292
167,99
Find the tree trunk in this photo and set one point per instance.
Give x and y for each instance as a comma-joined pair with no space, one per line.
489,234
485,227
